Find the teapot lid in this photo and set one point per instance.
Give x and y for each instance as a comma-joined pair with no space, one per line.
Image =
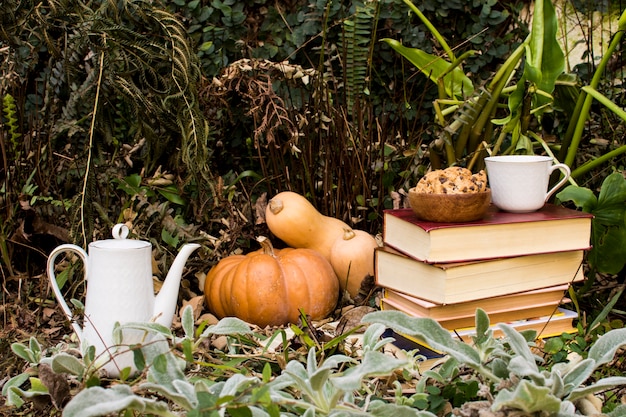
120,233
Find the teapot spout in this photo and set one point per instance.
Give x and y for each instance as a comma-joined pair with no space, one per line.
165,301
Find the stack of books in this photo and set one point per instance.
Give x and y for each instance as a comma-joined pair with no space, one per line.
516,267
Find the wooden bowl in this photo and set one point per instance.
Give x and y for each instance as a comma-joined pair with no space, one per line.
450,208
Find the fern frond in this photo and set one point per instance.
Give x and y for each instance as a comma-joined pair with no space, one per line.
358,36
10,113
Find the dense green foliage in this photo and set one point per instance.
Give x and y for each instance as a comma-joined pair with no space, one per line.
182,117
115,66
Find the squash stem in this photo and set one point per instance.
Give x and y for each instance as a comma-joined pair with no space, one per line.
266,245
348,233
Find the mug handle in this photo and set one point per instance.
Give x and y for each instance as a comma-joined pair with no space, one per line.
566,174
55,286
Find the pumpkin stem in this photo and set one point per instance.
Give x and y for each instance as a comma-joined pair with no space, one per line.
275,205
266,245
348,233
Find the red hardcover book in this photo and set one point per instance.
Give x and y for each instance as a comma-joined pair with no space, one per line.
499,234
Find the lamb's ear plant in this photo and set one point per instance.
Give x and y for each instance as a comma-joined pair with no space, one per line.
509,367
31,353
327,388
322,386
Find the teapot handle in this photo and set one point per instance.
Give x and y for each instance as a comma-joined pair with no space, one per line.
55,286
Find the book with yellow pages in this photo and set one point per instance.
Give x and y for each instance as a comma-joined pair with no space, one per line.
451,283
548,326
510,307
464,322
545,327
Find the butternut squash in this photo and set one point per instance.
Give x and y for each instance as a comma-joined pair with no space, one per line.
352,258
294,220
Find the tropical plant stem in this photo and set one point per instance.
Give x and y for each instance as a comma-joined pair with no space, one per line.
432,30
588,166
581,118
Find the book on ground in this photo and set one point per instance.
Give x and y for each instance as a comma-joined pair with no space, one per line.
427,358
500,309
450,283
499,234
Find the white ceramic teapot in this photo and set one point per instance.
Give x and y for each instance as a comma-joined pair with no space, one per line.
118,273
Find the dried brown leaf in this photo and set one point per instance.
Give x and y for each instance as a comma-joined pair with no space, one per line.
58,387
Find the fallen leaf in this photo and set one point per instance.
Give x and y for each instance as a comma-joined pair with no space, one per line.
352,318
259,208
197,305
48,312
52,330
209,318
57,385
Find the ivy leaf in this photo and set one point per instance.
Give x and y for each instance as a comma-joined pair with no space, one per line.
131,185
172,194
239,411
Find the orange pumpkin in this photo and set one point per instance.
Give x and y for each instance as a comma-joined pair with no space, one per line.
269,287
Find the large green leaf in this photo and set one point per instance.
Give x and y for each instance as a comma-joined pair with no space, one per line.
544,63
612,198
608,254
582,197
456,83
545,60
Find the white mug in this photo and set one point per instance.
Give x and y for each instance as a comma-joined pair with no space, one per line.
519,183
